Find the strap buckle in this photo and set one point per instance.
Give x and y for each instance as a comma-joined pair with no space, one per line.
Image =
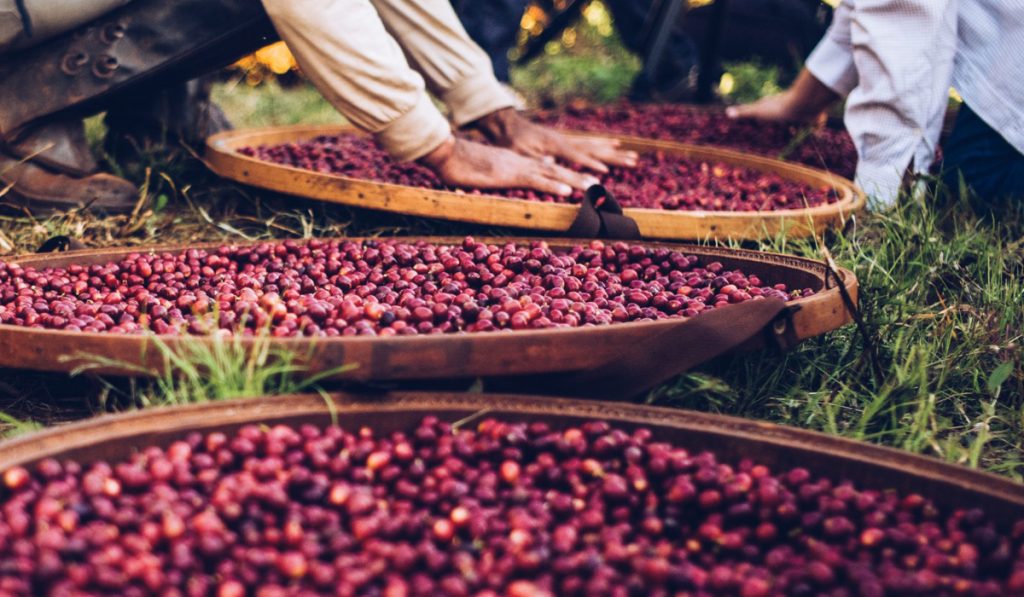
781,332
60,244
601,216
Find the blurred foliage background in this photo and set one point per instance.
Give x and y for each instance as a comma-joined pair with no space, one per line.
587,60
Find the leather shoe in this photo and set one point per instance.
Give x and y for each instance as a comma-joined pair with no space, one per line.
27,185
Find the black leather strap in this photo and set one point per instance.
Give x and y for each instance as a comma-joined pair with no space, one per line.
59,244
870,352
601,216
782,333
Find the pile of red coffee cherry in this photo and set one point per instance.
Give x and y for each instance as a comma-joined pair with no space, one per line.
495,509
826,148
660,180
376,288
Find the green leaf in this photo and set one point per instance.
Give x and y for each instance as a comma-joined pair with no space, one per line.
999,376
161,203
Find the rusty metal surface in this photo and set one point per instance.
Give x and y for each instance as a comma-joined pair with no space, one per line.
867,465
131,46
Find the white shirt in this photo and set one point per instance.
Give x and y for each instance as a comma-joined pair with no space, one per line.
895,60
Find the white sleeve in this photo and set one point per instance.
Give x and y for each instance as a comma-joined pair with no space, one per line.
831,62
903,51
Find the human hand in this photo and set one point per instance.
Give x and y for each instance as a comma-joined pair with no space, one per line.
463,163
507,128
773,108
805,101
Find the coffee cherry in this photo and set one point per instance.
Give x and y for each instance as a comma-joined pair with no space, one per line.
384,288
510,472
502,509
16,478
444,530
659,181
823,147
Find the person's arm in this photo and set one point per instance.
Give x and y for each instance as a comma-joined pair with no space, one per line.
828,75
344,49
903,52
455,68
351,59
894,59
804,101
460,73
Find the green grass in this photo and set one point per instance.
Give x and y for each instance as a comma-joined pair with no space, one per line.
11,426
596,67
749,81
222,368
271,105
941,293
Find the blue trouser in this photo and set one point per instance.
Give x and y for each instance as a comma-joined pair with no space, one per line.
678,59
991,167
494,25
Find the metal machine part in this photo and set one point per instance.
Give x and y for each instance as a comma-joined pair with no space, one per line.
145,43
25,23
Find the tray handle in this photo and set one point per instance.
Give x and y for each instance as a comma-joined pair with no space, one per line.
59,244
659,357
601,216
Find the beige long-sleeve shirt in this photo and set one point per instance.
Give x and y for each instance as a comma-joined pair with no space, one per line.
363,55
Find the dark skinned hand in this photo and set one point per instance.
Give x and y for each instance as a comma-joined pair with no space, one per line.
464,163
508,128
806,101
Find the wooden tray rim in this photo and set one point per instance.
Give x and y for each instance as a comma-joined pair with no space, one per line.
431,356
165,423
779,259
223,158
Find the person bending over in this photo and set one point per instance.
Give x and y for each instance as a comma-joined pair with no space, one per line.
374,60
894,62
352,50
